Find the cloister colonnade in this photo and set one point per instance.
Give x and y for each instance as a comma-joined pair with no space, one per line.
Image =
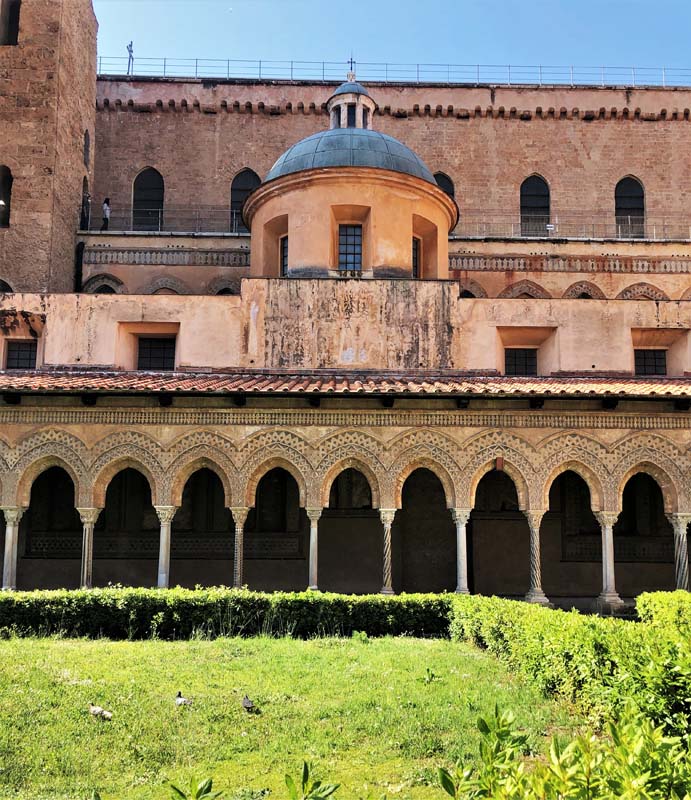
386,466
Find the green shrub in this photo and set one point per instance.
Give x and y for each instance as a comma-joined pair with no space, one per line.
120,613
598,663
635,760
666,609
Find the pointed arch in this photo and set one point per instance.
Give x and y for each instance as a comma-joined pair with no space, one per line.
433,466
535,206
583,290
523,288
642,291
350,463
512,471
266,466
469,288
104,283
148,197
166,284
111,469
183,471
242,186
597,494
670,491
37,468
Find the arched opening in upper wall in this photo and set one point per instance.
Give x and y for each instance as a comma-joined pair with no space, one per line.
148,196
9,21
6,181
535,206
244,183
629,205
445,183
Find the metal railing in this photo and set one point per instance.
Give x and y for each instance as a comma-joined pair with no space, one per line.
572,226
473,224
461,74
174,219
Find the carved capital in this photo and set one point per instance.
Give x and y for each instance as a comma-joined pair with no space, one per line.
89,516
387,516
166,513
239,514
607,519
680,522
313,514
534,517
460,515
13,514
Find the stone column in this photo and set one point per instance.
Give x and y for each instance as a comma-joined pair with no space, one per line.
9,568
314,514
535,593
89,517
387,516
165,515
608,598
680,523
461,517
239,516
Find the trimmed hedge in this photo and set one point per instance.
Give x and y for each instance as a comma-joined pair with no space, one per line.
602,664
666,609
121,613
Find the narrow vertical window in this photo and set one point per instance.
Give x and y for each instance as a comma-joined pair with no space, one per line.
284,256
350,247
87,149
9,21
416,257
365,118
147,201
5,196
535,210
351,115
629,202
244,183
336,117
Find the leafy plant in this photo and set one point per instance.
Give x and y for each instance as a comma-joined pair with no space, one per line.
198,791
309,790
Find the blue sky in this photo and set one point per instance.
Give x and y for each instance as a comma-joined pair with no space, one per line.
580,32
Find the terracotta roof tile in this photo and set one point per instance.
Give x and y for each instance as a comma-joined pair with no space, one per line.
331,382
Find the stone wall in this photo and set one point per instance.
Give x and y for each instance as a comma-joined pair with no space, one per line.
47,84
199,134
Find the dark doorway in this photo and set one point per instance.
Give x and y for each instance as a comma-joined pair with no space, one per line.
147,201
244,183
535,206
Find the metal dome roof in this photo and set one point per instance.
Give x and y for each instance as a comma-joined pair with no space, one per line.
350,147
351,87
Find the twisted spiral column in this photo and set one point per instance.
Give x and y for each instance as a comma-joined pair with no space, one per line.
239,517
535,593
387,516
680,523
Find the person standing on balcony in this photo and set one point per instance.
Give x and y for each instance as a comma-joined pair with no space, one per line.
106,214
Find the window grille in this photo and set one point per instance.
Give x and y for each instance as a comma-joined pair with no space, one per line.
350,247
650,362
156,353
520,361
21,355
284,256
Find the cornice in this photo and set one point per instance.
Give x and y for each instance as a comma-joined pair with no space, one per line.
166,256
337,418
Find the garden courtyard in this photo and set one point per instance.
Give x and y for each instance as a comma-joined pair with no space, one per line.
376,715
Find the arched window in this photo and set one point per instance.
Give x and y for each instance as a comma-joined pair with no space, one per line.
534,206
85,213
5,196
104,289
629,203
87,149
147,201
9,21
244,183
445,183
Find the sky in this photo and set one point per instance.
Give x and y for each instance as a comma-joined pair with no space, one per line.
579,32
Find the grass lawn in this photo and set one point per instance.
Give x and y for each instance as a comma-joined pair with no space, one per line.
377,716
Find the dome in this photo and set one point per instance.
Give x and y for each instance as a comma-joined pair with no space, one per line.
351,87
350,147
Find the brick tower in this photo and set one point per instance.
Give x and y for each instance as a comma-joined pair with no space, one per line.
47,118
